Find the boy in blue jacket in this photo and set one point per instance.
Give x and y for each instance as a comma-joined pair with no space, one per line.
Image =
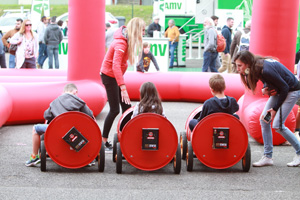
219,103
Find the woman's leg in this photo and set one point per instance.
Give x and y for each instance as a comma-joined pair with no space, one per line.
112,90
266,128
286,108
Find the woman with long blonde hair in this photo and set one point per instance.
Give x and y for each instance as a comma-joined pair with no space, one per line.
28,47
126,45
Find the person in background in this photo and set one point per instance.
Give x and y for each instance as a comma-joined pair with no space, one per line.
60,24
127,42
235,45
173,34
42,46
150,101
2,53
225,55
210,46
144,63
8,35
109,35
153,27
219,103
216,22
66,28
53,36
28,46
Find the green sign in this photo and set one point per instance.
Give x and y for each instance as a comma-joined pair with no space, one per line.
158,48
63,48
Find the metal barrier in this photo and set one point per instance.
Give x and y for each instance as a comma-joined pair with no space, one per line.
194,36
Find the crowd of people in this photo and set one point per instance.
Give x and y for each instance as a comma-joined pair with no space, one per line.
33,47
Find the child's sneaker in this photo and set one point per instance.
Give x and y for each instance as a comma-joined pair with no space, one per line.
264,161
295,162
108,146
34,160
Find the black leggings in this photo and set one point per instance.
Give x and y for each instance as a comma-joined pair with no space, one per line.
113,92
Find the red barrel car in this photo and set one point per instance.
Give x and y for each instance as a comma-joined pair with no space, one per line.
218,141
148,142
73,140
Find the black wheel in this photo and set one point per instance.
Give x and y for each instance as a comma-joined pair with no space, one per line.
101,159
189,158
41,139
119,159
246,160
177,160
183,145
43,156
115,141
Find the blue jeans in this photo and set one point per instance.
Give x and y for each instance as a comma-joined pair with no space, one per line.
42,54
209,60
40,129
172,49
53,52
12,61
286,108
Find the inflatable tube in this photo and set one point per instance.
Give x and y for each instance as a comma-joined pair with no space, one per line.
182,86
30,100
5,106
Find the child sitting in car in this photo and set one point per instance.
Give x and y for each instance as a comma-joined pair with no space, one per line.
219,103
150,101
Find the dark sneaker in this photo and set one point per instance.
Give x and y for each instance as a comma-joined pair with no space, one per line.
108,146
34,160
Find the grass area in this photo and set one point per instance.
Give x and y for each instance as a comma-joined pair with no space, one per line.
144,12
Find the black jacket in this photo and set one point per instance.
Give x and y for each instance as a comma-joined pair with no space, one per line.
278,77
153,27
216,105
226,32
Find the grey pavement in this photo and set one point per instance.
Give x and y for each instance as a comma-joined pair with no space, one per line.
20,182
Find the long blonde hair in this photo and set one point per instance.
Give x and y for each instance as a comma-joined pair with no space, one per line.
22,29
135,37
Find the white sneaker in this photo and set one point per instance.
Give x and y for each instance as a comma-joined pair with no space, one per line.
295,162
264,161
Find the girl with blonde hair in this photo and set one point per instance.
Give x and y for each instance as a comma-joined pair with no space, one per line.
126,45
28,47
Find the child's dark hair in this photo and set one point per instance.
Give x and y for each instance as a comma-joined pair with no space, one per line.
150,100
217,83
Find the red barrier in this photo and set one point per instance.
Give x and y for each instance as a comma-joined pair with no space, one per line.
182,86
5,105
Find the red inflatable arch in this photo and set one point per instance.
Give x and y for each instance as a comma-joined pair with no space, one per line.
267,39
25,94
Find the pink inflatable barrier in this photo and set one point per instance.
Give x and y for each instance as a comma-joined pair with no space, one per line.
182,86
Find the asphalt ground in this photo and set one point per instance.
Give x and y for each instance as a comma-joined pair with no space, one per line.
20,182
